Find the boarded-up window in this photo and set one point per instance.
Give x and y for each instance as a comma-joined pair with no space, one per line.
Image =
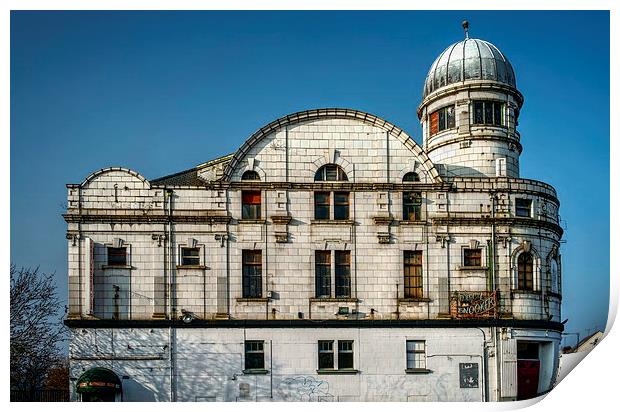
434,123
413,273
472,257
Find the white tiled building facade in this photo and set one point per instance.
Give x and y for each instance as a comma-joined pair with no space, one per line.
331,258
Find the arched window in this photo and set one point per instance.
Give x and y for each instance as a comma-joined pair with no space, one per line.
330,172
412,201
323,199
250,199
411,177
554,276
250,175
525,271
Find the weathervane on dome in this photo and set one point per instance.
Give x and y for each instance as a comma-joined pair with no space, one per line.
466,28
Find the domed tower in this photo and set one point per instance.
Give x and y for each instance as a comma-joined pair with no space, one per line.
469,111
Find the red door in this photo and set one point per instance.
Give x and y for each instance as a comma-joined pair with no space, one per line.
527,378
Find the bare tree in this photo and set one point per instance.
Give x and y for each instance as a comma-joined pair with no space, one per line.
36,328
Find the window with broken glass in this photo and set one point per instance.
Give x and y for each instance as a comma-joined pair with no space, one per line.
523,207
412,206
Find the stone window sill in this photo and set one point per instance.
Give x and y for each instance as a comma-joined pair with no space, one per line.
255,371
473,268
412,300
323,300
526,292
337,371
418,371
128,267
332,222
181,267
251,221
412,222
253,300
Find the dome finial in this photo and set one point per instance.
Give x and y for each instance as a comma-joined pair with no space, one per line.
466,28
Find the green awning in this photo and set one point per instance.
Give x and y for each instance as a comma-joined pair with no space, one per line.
98,380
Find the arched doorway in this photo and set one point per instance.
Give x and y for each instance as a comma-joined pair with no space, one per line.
99,385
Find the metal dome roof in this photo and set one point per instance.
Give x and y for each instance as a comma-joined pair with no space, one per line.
469,59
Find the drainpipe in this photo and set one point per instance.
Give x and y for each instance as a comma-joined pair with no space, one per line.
485,372
172,309
492,252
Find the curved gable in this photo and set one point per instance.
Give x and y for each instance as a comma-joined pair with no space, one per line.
324,114
115,171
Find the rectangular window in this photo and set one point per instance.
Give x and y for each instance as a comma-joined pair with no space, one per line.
523,207
472,257
323,273
489,112
190,256
416,354
412,206
341,205
442,119
345,354
321,205
413,273
252,274
326,354
117,256
254,354
250,204
343,274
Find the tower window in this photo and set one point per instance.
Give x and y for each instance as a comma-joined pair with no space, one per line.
523,207
442,119
489,112
525,271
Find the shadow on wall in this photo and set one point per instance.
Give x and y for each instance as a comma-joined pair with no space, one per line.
135,392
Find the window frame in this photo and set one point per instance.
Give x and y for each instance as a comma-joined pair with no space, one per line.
520,208
341,208
441,120
412,206
466,261
525,282
329,351
481,109
252,280
415,358
251,210
123,263
258,354
416,271
183,257
342,274
322,281
348,351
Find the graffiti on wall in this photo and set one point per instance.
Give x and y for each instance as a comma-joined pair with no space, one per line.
305,389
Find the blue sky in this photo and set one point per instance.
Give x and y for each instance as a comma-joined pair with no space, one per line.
161,92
